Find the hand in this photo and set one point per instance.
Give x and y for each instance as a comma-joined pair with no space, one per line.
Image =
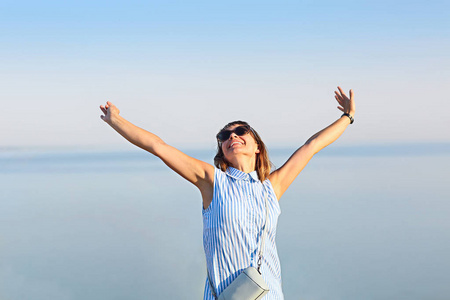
110,111
346,105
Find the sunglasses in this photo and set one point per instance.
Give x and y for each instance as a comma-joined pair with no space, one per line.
240,131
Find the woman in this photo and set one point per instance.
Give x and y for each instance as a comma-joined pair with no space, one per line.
234,194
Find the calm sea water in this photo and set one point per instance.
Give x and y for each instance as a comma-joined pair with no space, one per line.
358,223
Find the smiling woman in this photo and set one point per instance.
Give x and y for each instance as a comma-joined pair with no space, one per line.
261,162
240,196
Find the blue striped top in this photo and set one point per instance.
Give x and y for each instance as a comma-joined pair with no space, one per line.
232,229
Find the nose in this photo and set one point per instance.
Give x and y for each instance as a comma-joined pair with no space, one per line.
233,136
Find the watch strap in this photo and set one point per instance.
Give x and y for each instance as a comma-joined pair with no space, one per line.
349,116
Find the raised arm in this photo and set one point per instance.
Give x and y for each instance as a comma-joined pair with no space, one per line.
282,178
200,173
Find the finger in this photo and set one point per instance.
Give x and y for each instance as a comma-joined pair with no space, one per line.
103,109
339,95
342,92
351,95
340,108
338,100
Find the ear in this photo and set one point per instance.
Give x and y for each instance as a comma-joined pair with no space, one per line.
257,150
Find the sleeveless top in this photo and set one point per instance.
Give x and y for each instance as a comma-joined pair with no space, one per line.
232,230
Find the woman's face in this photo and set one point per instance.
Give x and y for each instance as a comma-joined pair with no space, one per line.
235,144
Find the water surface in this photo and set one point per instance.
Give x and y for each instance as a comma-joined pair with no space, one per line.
358,223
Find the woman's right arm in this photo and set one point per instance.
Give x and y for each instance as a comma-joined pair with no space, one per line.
200,173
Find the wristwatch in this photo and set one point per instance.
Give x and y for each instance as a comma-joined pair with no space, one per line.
349,116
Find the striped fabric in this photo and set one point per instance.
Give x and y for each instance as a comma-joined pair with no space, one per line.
232,229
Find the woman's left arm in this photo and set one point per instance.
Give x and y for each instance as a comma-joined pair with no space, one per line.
282,178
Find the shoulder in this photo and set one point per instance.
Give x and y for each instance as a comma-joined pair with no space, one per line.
218,174
220,179
272,188
269,187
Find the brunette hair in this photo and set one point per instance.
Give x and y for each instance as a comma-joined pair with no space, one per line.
263,163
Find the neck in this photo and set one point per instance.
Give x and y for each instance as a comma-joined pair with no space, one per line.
244,164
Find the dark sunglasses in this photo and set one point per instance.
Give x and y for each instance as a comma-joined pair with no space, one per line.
240,131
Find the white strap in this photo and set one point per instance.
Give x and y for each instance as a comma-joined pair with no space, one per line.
213,290
263,238
261,250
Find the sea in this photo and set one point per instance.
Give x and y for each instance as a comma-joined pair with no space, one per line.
361,222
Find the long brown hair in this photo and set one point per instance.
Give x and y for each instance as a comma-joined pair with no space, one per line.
263,163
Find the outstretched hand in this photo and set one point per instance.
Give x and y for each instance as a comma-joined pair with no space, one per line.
110,111
346,105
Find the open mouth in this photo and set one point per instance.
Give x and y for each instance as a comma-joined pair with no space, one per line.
235,143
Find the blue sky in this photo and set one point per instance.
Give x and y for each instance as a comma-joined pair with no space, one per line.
183,69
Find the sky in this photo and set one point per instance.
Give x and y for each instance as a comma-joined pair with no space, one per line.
183,69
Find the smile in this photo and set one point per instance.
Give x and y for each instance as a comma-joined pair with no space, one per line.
235,143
